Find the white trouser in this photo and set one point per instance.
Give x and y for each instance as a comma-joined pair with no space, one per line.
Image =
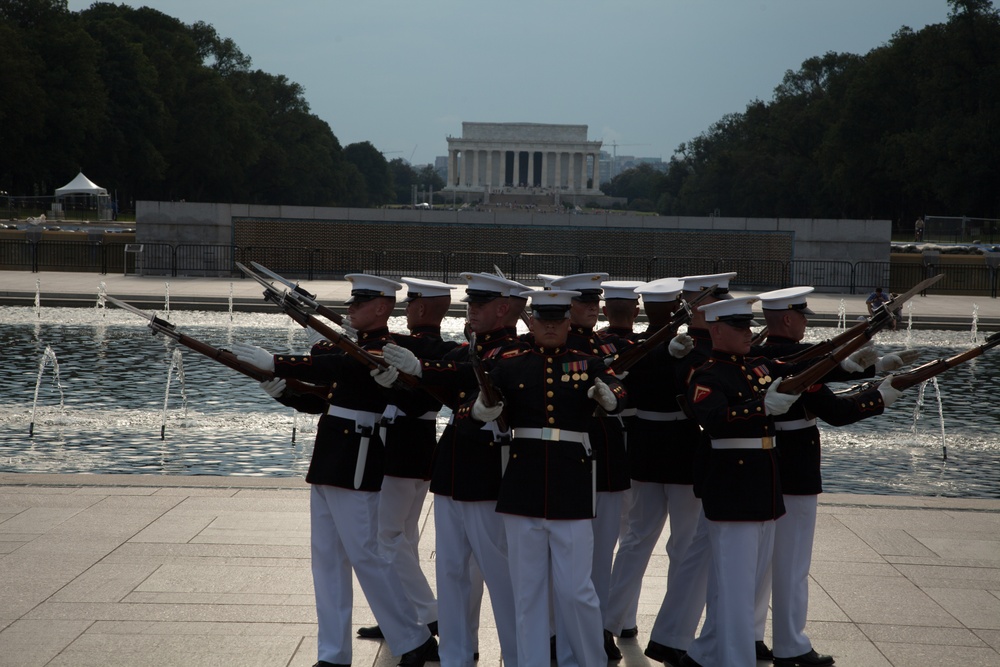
400,505
684,600
471,535
540,549
343,526
738,548
793,543
652,504
607,526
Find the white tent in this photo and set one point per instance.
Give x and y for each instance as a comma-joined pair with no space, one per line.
81,185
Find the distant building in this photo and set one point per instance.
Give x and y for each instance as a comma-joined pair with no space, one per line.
513,158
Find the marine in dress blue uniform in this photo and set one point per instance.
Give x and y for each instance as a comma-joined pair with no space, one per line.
661,465
467,468
607,436
735,399
345,474
408,429
797,441
680,612
547,494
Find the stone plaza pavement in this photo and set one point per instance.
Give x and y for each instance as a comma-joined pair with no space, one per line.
171,570
160,570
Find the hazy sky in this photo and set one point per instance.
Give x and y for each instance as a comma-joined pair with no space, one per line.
647,74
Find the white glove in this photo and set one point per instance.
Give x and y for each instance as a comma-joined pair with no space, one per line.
402,359
348,329
777,403
257,356
274,387
680,346
602,393
860,360
896,360
889,393
386,377
484,414
314,336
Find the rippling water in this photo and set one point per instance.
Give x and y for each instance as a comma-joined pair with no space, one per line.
113,375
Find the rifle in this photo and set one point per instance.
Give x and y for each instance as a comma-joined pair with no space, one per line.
298,310
491,396
881,317
299,294
224,357
630,356
926,371
759,337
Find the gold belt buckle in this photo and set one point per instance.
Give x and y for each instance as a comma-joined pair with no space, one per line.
550,434
767,442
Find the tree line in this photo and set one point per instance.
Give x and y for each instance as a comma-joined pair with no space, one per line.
908,129
156,109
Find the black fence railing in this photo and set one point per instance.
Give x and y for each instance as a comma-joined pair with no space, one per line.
319,264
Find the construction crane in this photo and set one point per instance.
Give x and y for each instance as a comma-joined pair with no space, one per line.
614,156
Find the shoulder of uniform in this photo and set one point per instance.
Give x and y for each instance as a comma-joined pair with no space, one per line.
516,352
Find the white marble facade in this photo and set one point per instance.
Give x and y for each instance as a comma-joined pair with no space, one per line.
495,157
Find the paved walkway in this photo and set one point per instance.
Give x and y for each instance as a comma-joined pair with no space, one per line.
55,288
147,570
158,570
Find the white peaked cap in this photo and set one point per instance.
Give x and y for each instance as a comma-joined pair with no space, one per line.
417,288
738,311
660,291
621,289
365,286
790,298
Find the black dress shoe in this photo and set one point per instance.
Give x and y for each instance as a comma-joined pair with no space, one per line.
688,661
324,663
668,655
433,627
629,633
552,648
418,656
610,647
763,652
373,632
810,659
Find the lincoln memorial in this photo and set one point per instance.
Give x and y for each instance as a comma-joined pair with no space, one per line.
521,157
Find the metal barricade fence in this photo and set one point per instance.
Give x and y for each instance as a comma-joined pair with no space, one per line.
462,261
204,260
528,265
17,255
869,275
429,264
69,256
755,275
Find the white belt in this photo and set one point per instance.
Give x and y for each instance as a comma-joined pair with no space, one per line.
551,434
649,415
794,424
628,412
359,417
364,423
743,443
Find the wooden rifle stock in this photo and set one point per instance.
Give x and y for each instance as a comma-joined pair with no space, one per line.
630,356
487,390
798,383
759,337
828,345
926,371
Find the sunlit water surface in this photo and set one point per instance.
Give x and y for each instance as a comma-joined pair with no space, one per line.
110,413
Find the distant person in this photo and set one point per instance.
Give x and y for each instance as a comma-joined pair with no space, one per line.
918,230
877,299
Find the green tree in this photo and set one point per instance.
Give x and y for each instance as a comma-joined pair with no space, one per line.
375,172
